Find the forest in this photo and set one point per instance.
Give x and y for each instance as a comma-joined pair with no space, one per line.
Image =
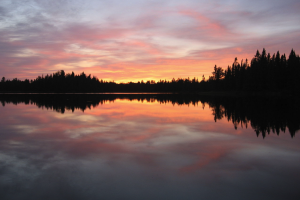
264,72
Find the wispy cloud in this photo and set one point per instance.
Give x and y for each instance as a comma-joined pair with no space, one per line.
140,39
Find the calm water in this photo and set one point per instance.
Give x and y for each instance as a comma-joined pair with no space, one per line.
147,148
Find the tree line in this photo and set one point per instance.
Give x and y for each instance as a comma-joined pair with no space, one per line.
264,73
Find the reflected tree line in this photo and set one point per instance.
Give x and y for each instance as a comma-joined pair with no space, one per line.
265,72
265,115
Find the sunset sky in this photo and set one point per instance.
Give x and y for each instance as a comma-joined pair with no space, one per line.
137,40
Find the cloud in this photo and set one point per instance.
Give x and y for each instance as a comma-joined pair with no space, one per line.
206,27
142,39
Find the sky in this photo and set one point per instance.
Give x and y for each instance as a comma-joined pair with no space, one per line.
137,40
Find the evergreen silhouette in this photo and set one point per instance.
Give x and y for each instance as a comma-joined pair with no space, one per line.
275,73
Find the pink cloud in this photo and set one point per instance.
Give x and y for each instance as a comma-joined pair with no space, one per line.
206,28
127,49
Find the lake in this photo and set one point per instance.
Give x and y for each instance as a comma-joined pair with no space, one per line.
148,146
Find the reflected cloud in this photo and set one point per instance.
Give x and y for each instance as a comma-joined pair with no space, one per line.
161,144
127,112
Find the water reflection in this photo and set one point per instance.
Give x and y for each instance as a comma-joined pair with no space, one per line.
162,148
264,115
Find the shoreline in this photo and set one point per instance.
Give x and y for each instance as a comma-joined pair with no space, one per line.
208,93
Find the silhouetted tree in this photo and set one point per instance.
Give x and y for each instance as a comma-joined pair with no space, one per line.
264,73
